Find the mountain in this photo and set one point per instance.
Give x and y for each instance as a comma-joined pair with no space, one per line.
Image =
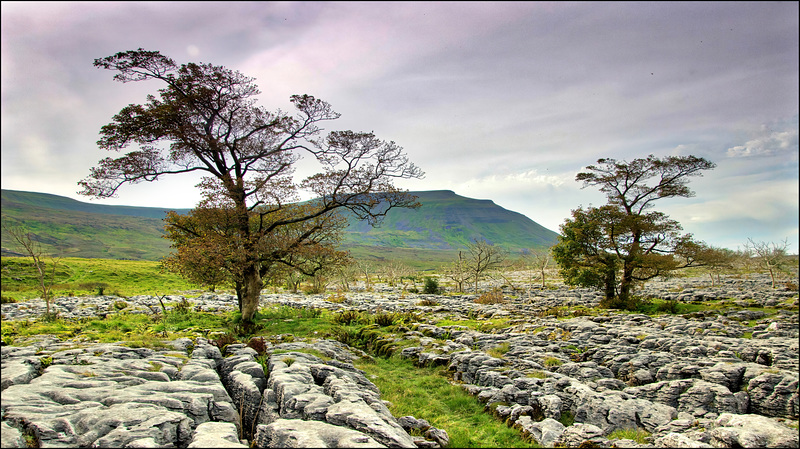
70,228
450,221
444,223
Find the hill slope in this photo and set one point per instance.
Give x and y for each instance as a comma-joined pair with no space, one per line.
445,222
450,221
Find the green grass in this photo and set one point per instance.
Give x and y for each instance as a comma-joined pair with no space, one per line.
83,277
637,435
426,394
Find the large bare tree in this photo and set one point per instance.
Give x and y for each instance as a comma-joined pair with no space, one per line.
204,119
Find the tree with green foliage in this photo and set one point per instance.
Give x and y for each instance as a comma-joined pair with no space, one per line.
205,120
623,242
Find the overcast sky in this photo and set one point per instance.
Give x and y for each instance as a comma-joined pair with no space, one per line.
493,100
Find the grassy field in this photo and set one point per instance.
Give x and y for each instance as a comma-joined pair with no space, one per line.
81,277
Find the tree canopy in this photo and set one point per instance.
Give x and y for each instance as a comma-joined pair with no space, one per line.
205,119
623,242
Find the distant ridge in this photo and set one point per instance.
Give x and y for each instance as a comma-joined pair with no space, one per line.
47,200
450,221
445,222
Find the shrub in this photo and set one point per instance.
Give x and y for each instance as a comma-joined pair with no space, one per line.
551,362
431,286
616,302
258,344
224,340
670,307
492,297
120,304
427,302
8,300
337,298
183,307
384,319
347,317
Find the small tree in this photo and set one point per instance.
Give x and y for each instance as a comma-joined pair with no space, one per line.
718,260
31,247
366,268
538,261
482,256
457,272
770,256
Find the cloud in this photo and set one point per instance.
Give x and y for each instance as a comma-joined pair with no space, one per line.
768,143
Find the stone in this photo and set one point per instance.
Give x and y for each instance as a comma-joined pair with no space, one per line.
295,433
215,434
773,394
676,440
752,431
545,432
360,416
582,435
438,435
21,371
10,437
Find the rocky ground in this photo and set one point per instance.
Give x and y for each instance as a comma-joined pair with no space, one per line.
689,380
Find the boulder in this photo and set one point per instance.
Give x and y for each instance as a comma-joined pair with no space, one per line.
545,432
752,431
11,437
296,433
215,434
582,435
773,394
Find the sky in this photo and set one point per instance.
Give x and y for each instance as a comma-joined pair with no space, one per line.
492,100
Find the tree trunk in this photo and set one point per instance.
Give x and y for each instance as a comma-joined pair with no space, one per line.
611,283
251,294
625,285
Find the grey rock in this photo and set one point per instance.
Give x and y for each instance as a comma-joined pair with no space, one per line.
581,435
19,371
545,432
360,416
752,431
438,435
774,395
10,436
215,434
677,440
295,433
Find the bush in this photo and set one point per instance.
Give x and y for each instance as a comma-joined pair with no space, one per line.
384,319
427,302
431,286
492,297
258,344
670,306
347,317
224,340
552,362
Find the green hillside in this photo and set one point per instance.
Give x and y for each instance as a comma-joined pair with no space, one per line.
450,221
445,223
70,228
